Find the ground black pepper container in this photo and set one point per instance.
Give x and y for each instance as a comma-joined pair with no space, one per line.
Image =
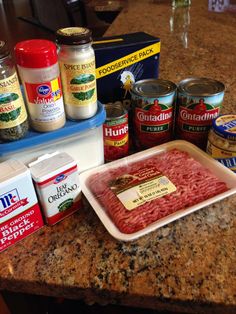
13,115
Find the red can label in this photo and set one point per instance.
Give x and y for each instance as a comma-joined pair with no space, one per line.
153,124
195,120
116,138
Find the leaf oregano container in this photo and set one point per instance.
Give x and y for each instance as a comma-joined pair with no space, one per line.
77,64
57,183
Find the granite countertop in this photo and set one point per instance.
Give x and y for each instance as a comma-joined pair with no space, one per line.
187,266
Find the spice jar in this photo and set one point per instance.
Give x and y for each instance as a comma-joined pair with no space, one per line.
13,115
39,70
56,180
222,140
78,74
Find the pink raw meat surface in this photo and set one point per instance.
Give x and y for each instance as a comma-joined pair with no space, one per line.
193,181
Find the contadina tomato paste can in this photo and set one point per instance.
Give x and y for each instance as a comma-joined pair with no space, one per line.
153,108
198,103
115,132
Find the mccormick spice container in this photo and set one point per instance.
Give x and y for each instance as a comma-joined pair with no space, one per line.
153,102
77,64
19,209
115,132
222,140
199,102
57,183
39,71
13,115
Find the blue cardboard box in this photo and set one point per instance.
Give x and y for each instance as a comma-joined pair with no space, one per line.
123,60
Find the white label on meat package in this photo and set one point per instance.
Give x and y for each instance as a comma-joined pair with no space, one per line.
138,188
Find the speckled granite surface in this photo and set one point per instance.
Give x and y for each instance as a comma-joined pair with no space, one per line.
210,39
188,265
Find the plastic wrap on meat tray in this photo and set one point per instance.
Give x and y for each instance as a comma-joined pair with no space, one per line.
163,184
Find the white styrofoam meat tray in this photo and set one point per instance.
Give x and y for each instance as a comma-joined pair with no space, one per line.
223,173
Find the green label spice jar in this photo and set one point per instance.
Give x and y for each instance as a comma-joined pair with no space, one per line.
13,115
78,72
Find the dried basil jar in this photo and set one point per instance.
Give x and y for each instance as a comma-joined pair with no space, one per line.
13,115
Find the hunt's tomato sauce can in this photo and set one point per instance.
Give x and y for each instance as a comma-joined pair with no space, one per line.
198,103
153,102
115,132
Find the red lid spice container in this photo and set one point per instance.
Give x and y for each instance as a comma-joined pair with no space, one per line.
153,101
115,132
39,71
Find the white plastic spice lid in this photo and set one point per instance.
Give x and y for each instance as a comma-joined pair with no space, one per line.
49,165
10,169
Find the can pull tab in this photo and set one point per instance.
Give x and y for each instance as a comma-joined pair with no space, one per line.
43,157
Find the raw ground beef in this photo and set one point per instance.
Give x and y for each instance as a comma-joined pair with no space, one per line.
194,184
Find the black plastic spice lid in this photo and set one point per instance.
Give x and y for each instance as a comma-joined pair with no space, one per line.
73,36
4,49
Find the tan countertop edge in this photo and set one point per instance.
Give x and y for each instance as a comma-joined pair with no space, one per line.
104,297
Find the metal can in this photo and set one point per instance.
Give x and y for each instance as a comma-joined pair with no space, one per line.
153,102
115,132
221,143
198,103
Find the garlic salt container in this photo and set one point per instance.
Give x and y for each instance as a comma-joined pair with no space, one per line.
19,209
57,183
77,64
82,140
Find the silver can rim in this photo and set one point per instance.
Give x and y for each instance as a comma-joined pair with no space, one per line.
182,86
171,88
111,107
